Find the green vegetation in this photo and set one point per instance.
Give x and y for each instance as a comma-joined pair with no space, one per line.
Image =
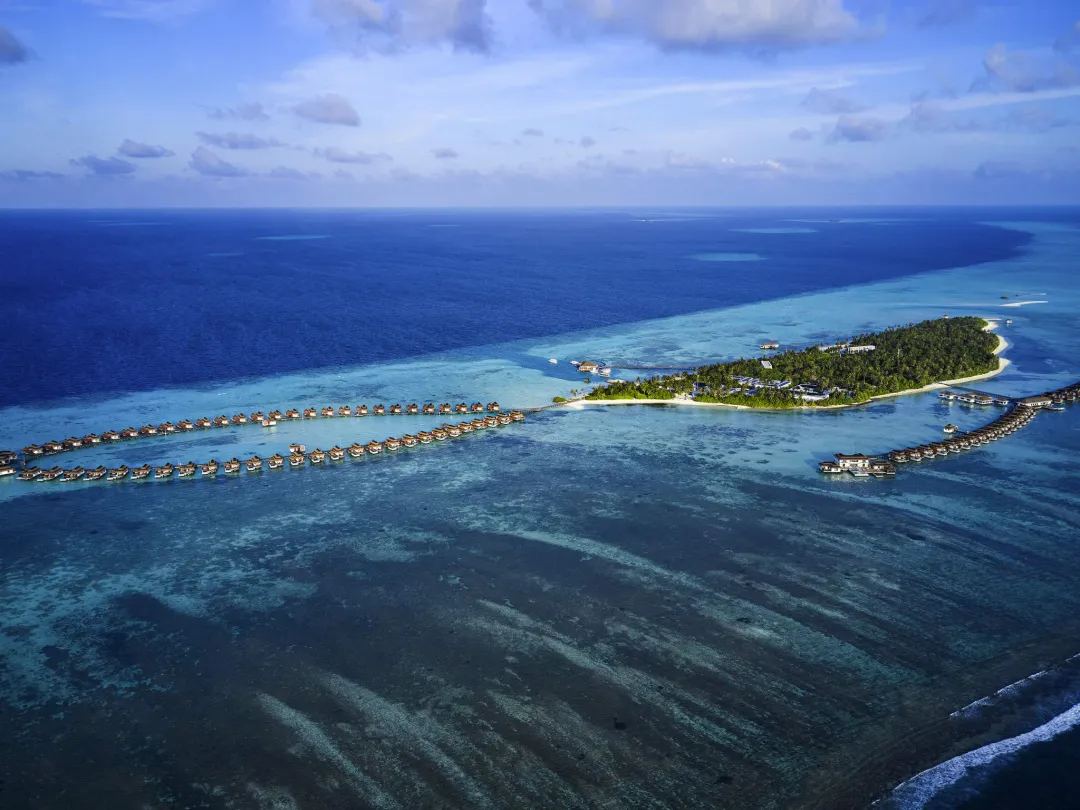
558,400
905,357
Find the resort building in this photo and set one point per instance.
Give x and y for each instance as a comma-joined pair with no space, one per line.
854,462
769,345
588,367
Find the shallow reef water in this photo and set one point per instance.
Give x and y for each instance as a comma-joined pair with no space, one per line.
602,607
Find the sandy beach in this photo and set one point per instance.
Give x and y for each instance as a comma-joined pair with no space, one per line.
1003,363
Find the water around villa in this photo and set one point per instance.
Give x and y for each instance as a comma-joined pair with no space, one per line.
631,607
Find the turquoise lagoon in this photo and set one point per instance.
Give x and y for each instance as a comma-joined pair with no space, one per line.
602,607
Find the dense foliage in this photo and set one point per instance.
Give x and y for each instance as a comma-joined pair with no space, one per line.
905,357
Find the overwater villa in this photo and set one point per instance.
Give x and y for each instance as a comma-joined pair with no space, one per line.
140,473
317,456
493,407
356,450
466,427
258,417
439,435
203,423
51,474
33,450
327,412
30,473
425,437
119,473
830,467
277,416
53,447
232,465
395,410
297,448
187,470
297,460
344,410
409,440
477,407
336,453
951,428
239,419
361,410
588,367
504,419
8,457
209,468
254,464
71,444
166,427
479,424
412,409
221,421
392,444
453,431
185,425
7,469
461,407
164,471
491,421
429,409
96,474
276,462
292,413
380,410
310,413
374,448
148,430
129,433
853,462
445,409
75,474
91,438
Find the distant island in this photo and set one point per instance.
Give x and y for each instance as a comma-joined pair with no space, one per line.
898,360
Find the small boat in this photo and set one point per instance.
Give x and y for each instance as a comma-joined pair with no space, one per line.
209,468
297,459
951,428
374,448
51,474
269,422
604,372
30,473
1055,408
1008,321
317,456
553,361
860,473
297,448
118,473
186,470
357,450
96,474
75,474
276,462
232,465
575,363
164,471
336,453
139,473
254,464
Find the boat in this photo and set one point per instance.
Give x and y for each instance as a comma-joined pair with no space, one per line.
139,473
75,474
336,453
575,363
374,448
1008,321
186,470
29,474
118,473
269,423
951,428
232,465
553,361
604,372
860,473
1055,408
254,464
356,450
317,456
297,459
276,462
425,437
209,468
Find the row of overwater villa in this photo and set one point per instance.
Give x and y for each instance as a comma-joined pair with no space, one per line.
12,464
1022,412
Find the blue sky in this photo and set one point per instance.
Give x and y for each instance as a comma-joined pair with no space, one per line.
538,102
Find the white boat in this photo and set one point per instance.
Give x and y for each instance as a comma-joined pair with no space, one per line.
553,361
604,372
575,362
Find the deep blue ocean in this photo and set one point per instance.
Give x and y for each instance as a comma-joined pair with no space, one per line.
611,608
115,301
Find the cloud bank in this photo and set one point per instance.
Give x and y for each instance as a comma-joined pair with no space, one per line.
336,155
208,164
105,167
329,108
134,149
236,140
394,24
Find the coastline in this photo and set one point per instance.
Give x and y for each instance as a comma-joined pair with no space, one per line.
1003,363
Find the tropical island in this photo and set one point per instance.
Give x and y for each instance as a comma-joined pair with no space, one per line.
897,360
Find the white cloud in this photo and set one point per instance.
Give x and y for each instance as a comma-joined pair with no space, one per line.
133,149
207,163
329,108
464,24
859,129
237,140
337,155
12,51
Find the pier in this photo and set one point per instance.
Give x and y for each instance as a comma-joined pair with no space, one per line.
1021,412
23,465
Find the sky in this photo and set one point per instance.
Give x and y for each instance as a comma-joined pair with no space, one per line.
533,103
